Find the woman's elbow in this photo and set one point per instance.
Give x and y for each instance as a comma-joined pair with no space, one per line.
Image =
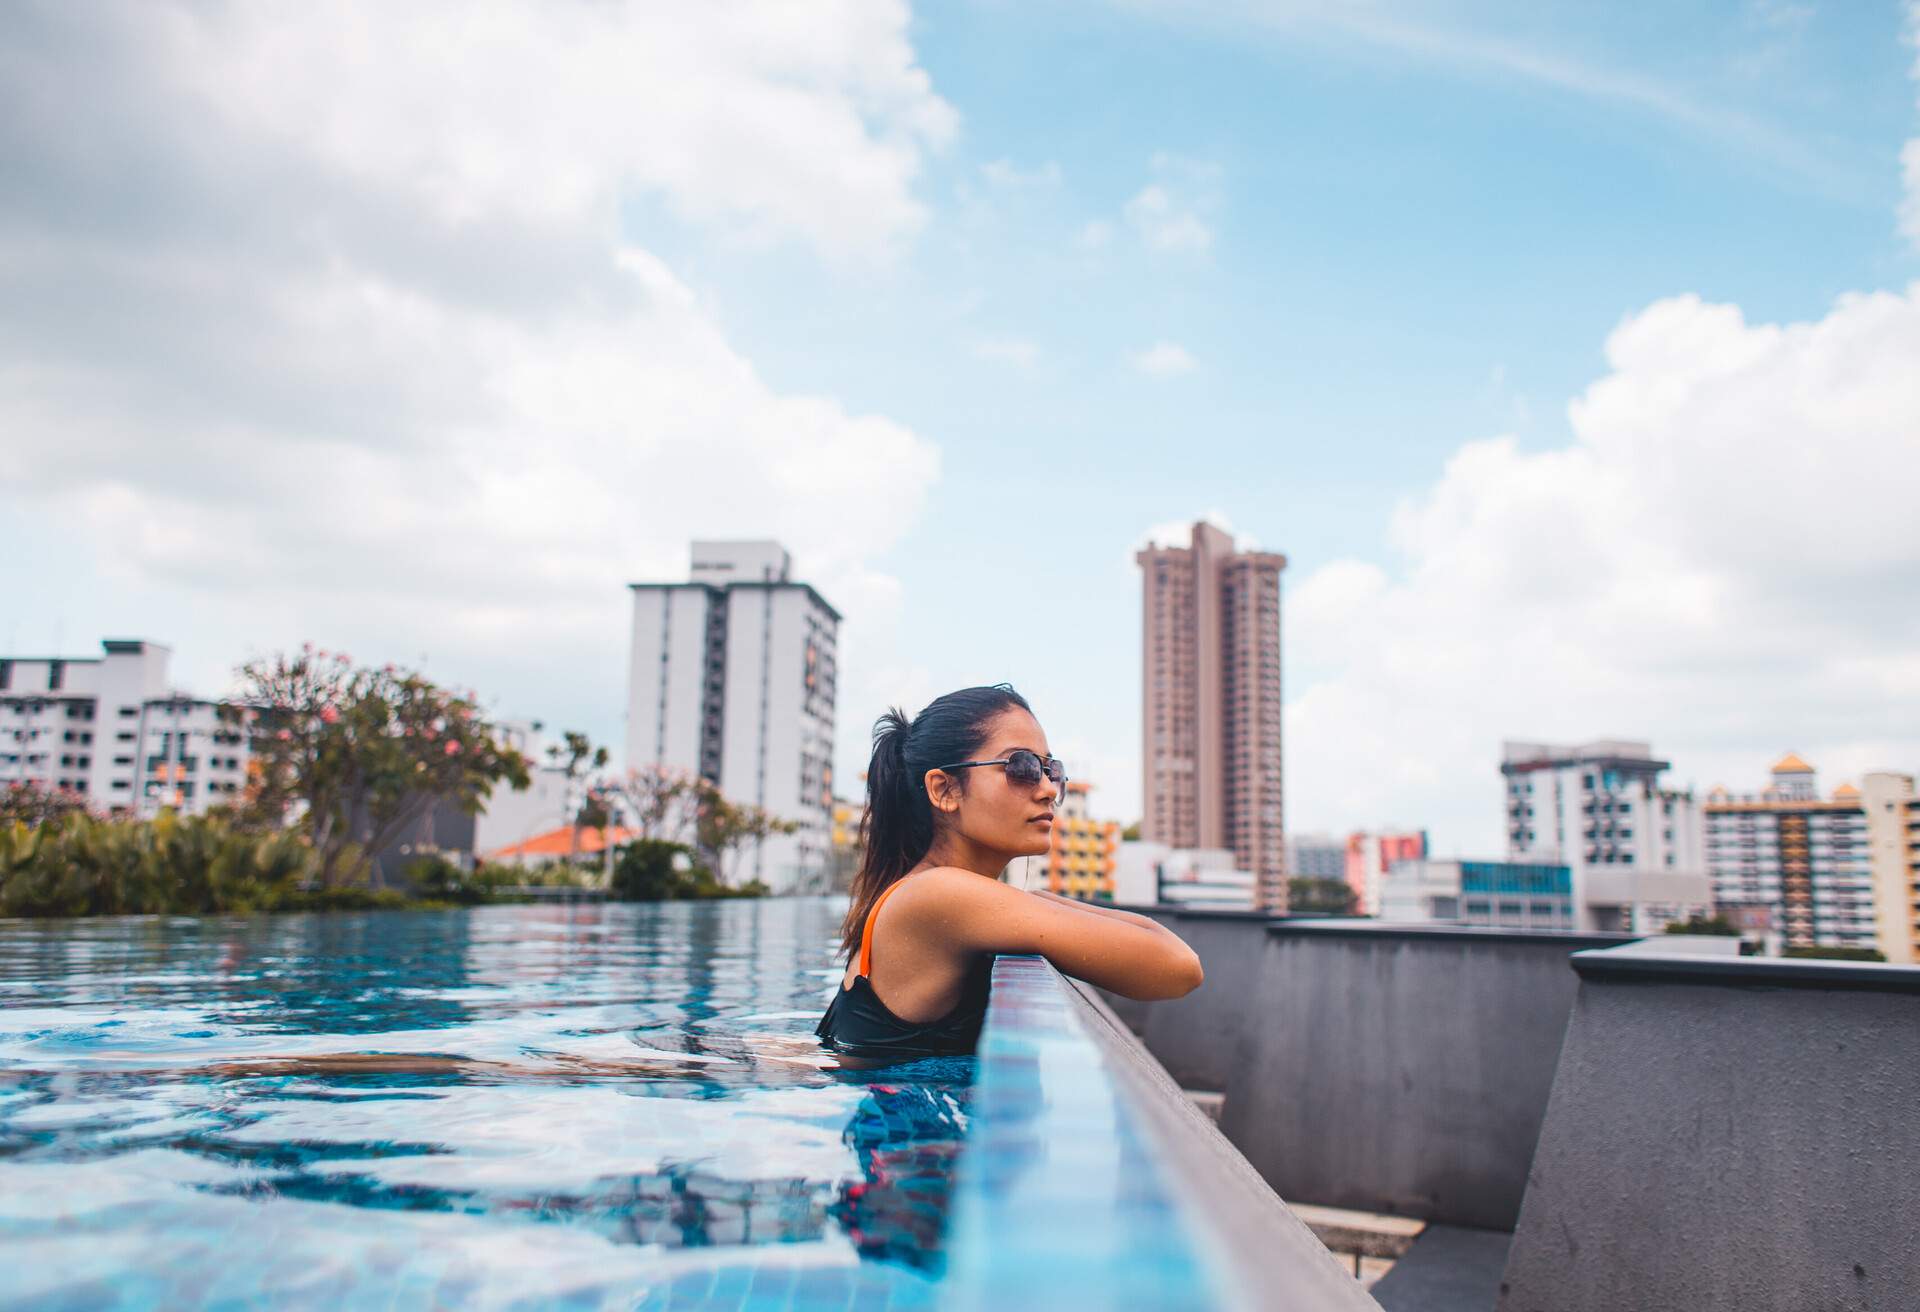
1179,975
1189,974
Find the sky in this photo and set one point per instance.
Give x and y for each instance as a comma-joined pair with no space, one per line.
1570,353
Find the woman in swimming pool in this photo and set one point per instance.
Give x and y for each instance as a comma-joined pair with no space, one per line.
953,795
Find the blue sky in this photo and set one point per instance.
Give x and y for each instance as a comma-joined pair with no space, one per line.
1029,281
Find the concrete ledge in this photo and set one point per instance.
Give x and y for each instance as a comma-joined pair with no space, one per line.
1090,1181
1746,972
1358,927
1733,1134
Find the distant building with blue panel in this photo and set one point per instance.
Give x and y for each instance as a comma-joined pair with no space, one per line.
1503,894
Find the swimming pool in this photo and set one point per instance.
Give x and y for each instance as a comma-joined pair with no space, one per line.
576,1106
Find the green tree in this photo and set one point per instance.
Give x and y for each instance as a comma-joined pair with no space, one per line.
576,756
1320,897
659,802
722,828
691,813
1131,834
1716,926
357,756
655,870
1835,954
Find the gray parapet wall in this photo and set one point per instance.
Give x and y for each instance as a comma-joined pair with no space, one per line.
1381,1068
1728,1134
1089,1181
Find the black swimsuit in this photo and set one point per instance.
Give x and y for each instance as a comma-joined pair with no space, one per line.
858,1024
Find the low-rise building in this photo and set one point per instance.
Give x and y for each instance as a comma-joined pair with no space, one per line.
110,729
1502,894
1369,856
1154,874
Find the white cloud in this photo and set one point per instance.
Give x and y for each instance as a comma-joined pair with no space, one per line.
1179,533
759,114
1723,561
1166,222
1007,175
1095,235
1016,351
1173,212
321,318
1163,360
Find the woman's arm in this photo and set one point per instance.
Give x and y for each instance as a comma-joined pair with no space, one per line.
1118,951
1115,912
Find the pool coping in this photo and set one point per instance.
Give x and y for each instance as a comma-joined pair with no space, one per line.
1053,1060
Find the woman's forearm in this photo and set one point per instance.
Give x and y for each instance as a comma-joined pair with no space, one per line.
1093,908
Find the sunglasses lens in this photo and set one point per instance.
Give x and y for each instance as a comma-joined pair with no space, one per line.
1023,767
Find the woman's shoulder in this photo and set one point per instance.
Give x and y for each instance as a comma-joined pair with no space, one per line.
949,885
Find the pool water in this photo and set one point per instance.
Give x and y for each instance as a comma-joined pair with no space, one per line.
558,1106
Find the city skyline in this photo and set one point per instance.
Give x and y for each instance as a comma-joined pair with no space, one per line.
1568,361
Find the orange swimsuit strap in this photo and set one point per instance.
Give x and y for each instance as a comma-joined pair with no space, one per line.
866,934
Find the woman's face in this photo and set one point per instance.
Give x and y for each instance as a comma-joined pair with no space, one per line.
991,809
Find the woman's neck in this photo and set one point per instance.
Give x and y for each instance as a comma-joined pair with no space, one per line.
951,849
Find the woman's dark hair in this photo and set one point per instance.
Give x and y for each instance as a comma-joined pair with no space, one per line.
897,829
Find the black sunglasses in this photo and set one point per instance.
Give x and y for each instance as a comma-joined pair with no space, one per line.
1023,767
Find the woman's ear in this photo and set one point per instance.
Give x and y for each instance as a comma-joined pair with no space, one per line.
941,791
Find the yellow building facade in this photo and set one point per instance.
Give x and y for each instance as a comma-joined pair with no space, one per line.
1081,860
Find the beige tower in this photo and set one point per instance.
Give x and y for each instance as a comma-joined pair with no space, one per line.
1211,701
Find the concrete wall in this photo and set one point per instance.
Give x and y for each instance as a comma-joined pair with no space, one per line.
1196,1038
1728,1134
1383,1068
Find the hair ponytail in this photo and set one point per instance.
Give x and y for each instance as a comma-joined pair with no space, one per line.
897,829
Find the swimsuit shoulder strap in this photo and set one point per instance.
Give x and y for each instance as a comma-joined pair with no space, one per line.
866,934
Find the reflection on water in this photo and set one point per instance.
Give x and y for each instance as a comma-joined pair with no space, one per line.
590,1105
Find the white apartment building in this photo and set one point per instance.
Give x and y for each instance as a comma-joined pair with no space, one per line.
1635,851
109,728
732,677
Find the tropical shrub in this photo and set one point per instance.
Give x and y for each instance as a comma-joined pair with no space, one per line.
84,866
1715,926
1835,954
1320,897
33,803
654,870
